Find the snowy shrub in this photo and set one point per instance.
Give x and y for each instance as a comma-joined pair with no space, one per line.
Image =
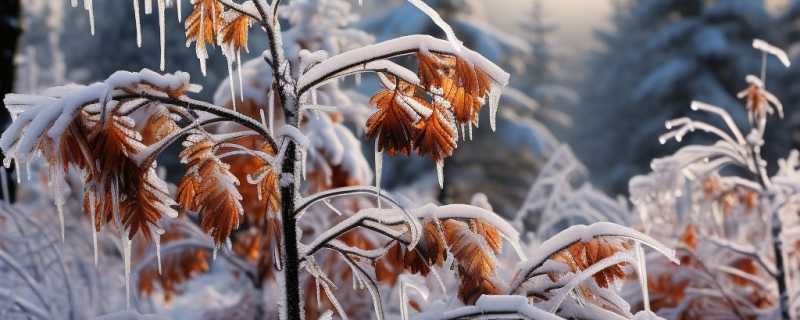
733,223
276,183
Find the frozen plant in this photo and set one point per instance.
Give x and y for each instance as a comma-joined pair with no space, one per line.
735,225
247,170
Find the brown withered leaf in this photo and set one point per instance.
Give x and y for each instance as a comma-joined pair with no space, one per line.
464,104
689,237
216,197
582,255
158,126
219,201
193,155
472,244
466,246
72,149
204,22
435,136
261,199
429,70
234,31
118,179
392,124
488,232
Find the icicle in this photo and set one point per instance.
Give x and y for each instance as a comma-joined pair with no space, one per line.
199,50
358,79
641,266
19,172
271,110
314,97
494,101
360,3
126,257
157,242
60,209
463,132
148,6
74,3
93,214
440,173
470,131
161,17
239,72
180,14
89,6
378,170
138,19
263,119
214,254
303,157
230,81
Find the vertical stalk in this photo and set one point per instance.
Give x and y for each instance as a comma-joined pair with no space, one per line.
290,260
780,272
289,180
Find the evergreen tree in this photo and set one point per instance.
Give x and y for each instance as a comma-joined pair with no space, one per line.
658,56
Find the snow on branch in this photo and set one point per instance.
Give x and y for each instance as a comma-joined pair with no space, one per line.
393,48
773,50
582,233
493,307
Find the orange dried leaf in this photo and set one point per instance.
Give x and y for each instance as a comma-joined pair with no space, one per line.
204,23
435,136
234,31
392,124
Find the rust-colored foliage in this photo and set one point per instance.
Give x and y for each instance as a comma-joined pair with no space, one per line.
435,136
72,150
158,126
234,32
393,123
177,268
209,188
118,181
260,199
473,244
582,255
689,237
204,23
405,121
666,292
754,99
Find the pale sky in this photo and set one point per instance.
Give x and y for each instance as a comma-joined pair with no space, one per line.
575,19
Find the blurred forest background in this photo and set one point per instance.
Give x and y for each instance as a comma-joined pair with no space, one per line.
601,76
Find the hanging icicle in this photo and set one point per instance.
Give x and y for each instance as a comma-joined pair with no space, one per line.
148,6
230,80
138,19
440,173
126,257
378,170
239,72
89,6
180,13
271,105
162,6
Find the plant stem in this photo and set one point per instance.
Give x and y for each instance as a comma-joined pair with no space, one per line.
291,262
780,272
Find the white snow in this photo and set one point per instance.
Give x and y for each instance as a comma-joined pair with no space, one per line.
773,50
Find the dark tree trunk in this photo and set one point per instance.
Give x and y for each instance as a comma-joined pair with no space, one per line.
10,30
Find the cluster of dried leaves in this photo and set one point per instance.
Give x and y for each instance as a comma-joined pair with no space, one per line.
453,91
210,24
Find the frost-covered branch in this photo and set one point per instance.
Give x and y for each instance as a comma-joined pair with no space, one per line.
582,233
